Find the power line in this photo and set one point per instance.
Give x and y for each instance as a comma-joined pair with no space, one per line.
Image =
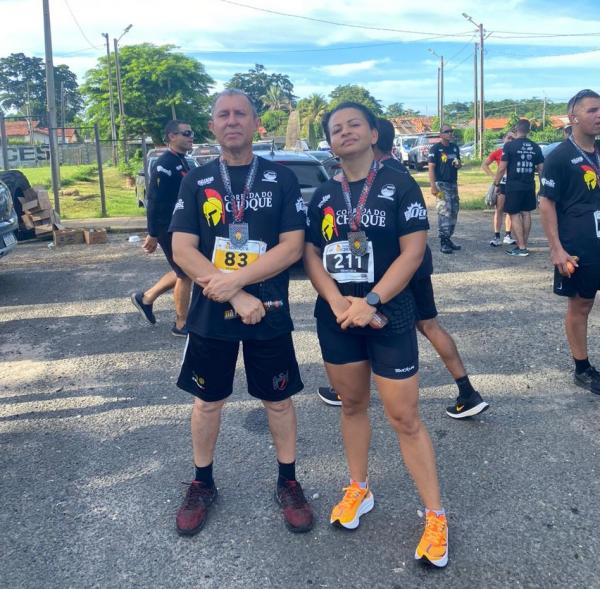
79,27
467,44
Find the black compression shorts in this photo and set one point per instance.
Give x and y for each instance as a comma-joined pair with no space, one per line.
585,282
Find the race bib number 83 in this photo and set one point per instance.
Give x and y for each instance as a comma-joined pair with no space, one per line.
228,258
344,266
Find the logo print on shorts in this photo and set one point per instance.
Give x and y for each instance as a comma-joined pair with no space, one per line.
213,208
328,226
589,176
280,382
198,380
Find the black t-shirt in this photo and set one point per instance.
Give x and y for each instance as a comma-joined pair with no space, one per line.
572,183
522,155
395,207
426,268
163,188
443,156
275,206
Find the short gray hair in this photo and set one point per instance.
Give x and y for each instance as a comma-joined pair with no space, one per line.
232,92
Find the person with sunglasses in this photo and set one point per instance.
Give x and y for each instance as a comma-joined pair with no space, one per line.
163,188
570,215
366,236
496,156
443,164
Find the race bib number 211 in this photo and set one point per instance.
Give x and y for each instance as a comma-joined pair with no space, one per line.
344,266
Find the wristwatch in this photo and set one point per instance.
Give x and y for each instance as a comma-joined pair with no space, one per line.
373,299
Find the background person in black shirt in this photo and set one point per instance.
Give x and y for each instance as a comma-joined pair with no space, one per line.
443,164
521,157
570,214
165,179
469,401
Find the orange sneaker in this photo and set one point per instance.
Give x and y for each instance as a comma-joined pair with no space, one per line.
356,502
433,546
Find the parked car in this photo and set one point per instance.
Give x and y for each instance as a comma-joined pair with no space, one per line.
140,180
467,150
309,171
418,154
16,182
9,222
329,161
549,148
403,144
205,152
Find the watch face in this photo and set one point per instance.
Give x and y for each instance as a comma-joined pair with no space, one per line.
373,299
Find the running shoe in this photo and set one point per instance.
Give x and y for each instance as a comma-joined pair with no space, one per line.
329,396
589,379
455,247
517,251
193,513
473,405
183,332
433,547
356,502
137,298
297,513
495,242
509,240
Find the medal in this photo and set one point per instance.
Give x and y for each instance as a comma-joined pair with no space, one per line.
238,234
357,240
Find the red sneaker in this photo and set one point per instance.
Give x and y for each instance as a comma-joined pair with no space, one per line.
192,514
297,513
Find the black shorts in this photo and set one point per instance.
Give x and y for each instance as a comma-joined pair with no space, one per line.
585,282
422,290
518,201
394,355
502,189
208,368
165,240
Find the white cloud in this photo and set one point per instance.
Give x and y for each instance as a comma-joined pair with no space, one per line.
345,69
586,59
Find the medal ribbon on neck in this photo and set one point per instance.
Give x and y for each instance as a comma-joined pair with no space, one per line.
596,165
354,222
238,207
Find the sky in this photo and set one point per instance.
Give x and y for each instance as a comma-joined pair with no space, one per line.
386,47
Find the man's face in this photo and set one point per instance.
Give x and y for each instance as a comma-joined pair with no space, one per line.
180,141
586,116
446,134
233,123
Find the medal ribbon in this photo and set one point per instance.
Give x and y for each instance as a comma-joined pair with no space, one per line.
238,207
355,221
596,165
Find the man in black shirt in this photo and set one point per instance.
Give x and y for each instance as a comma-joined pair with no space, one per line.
237,227
570,213
165,179
444,162
469,401
520,160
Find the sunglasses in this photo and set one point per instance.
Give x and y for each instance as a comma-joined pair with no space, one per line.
587,93
185,133
447,131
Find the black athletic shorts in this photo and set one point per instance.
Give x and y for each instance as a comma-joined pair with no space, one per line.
393,355
422,290
585,282
502,188
165,240
208,368
518,201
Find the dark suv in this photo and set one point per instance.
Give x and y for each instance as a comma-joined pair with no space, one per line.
417,156
9,222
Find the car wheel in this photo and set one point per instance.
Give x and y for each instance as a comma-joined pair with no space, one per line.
17,184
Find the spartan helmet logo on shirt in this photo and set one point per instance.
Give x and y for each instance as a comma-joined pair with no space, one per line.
213,208
444,157
589,176
328,225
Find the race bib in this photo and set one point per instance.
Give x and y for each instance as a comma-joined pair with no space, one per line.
229,258
344,266
597,223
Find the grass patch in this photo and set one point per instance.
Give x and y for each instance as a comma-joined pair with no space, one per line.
120,198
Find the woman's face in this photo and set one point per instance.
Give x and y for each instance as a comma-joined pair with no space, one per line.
350,133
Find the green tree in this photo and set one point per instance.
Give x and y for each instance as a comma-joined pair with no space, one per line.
275,99
396,109
311,111
355,93
257,84
275,121
155,79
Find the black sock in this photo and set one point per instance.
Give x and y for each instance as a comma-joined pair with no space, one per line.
205,474
287,472
497,235
465,388
508,233
581,365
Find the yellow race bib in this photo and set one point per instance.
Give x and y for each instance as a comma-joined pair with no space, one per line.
229,258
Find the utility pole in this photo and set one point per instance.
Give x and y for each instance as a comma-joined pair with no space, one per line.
439,114
122,123
51,105
62,111
481,94
113,127
440,99
475,103
544,114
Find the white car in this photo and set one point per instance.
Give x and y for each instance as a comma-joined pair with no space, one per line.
403,144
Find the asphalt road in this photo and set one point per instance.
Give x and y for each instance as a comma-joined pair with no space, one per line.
95,440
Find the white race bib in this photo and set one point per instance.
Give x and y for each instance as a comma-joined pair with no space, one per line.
344,266
229,258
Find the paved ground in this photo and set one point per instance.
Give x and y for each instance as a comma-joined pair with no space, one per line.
94,440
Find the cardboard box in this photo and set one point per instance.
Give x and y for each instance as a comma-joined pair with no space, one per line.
43,230
94,236
67,236
43,200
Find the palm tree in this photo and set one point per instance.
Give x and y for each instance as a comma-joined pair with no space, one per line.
311,111
275,99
